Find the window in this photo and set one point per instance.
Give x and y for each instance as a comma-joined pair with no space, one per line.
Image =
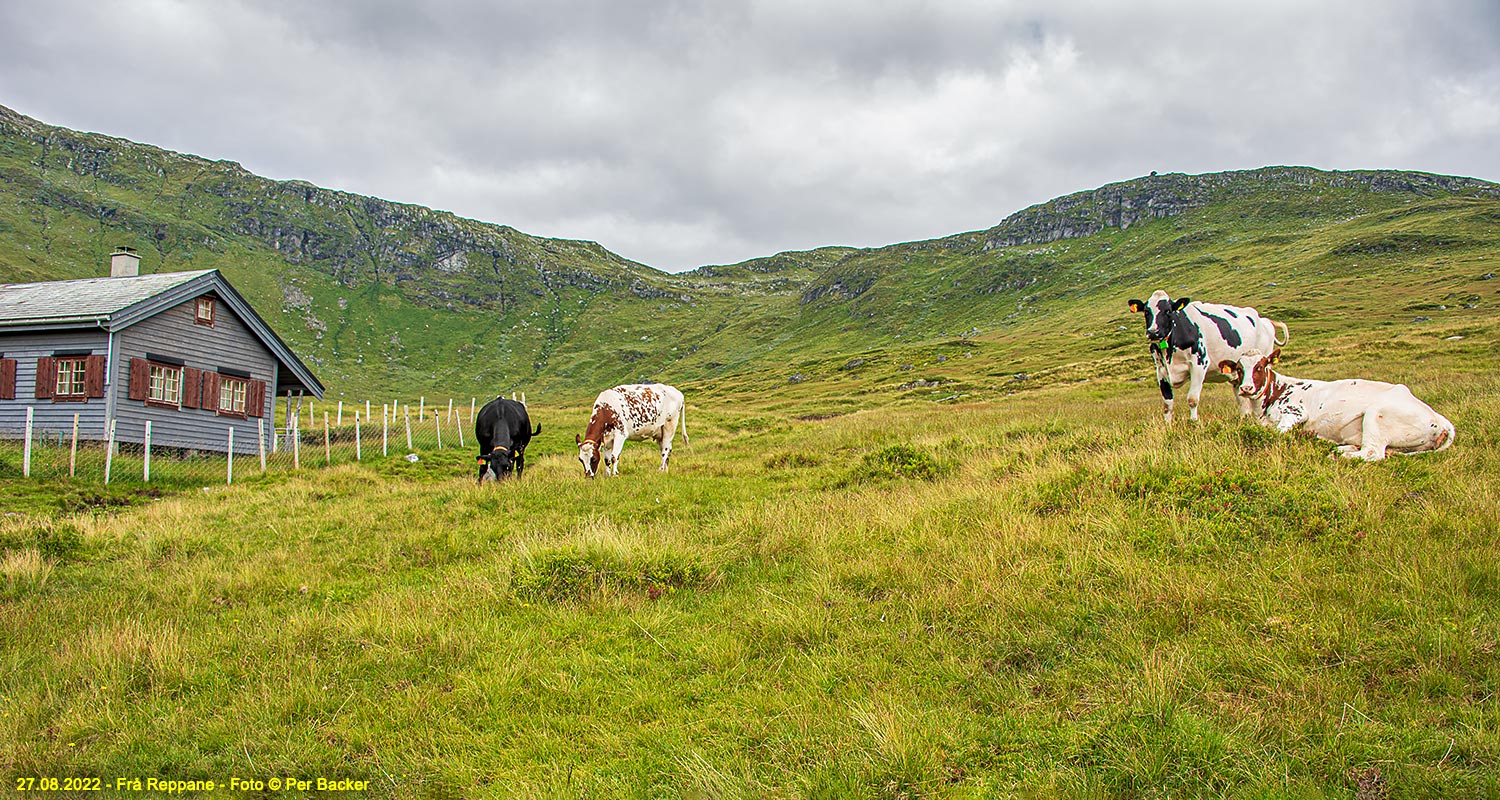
166,385
70,375
232,394
205,312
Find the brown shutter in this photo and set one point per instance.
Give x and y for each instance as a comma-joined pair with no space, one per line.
7,379
255,399
140,379
192,387
93,376
211,390
46,377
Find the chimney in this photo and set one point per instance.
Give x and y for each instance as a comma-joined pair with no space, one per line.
124,263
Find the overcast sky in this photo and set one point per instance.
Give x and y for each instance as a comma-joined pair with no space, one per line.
681,134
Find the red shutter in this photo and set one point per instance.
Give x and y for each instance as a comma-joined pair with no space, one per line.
93,376
211,390
140,379
192,387
255,399
7,379
46,377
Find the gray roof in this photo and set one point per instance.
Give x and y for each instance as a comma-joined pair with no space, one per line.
116,303
90,299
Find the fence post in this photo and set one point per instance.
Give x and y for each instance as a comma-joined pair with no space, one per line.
523,399
146,446
437,422
73,452
471,408
512,396
260,440
340,420
229,459
109,451
327,447
358,456
312,418
297,441
367,411
409,448
385,428
26,450
460,427
450,409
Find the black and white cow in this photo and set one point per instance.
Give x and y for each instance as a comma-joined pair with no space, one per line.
1189,339
503,430
1366,419
633,411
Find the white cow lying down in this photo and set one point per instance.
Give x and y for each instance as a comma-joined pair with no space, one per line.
1365,418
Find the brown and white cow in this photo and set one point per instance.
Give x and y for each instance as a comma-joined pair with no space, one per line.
1365,418
633,411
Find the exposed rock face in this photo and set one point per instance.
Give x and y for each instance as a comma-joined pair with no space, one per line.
352,238
1120,205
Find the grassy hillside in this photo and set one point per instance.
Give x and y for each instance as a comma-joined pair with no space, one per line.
929,538
1048,593
377,295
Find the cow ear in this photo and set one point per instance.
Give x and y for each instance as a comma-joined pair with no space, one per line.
578,440
1181,303
1136,306
1275,356
1226,367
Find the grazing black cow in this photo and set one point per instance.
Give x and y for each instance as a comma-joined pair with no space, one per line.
503,430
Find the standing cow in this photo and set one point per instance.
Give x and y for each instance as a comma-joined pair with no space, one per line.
503,431
634,411
1365,418
1189,339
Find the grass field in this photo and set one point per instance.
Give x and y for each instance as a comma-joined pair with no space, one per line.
834,593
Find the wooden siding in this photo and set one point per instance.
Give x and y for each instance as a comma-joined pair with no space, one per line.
173,334
50,417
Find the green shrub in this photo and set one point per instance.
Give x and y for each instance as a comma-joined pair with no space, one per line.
897,461
574,574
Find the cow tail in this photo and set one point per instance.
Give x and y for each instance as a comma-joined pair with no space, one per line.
1286,335
683,418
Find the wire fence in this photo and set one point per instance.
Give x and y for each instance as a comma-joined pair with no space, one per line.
304,434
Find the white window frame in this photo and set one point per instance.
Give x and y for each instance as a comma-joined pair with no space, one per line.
233,393
70,376
200,305
165,385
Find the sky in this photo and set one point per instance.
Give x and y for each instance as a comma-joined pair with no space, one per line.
681,134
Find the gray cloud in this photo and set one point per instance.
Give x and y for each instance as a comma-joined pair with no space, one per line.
680,134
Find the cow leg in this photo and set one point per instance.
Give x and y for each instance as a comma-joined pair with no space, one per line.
1372,437
483,465
1166,399
613,462
666,442
520,463
1195,390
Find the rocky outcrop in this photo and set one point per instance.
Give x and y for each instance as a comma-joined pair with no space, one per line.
1121,205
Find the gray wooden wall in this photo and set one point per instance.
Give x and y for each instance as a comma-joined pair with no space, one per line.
50,417
173,333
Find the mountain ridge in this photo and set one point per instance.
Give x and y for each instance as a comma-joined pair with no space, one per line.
380,293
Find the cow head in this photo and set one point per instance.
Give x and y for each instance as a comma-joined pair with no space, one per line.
1252,371
501,461
1161,311
588,454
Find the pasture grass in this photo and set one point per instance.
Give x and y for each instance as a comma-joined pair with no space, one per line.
1043,594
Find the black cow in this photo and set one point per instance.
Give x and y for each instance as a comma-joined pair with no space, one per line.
503,430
